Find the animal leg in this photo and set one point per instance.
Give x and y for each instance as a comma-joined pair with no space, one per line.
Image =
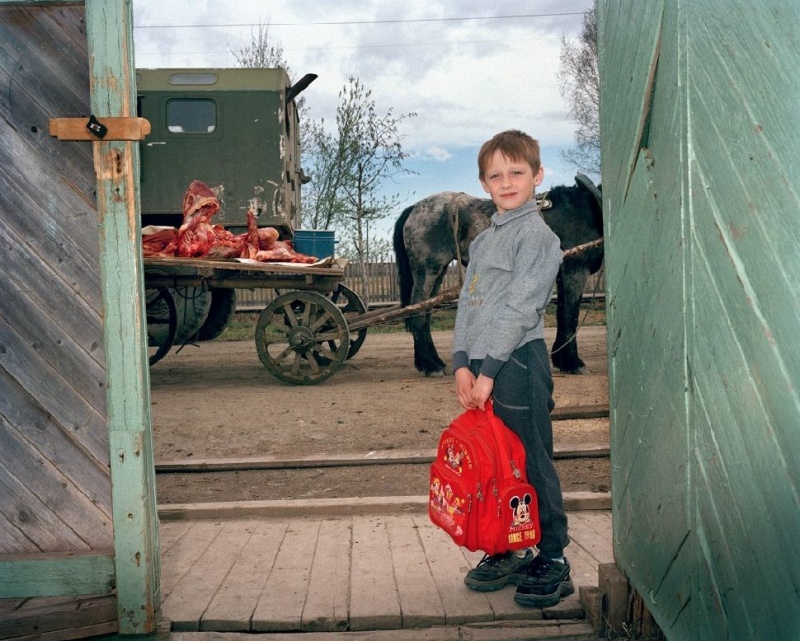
426,358
570,283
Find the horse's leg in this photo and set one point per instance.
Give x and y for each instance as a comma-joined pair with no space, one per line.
426,358
570,283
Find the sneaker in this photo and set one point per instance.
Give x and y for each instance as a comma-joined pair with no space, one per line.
497,571
546,583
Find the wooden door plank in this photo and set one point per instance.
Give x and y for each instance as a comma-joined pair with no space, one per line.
374,603
625,109
52,619
328,600
12,539
233,605
63,495
55,442
51,220
419,596
40,86
280,605
54,393
56,574
34,518
448,567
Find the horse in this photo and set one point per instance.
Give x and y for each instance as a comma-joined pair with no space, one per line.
437,230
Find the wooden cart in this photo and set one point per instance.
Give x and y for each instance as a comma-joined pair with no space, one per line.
302,335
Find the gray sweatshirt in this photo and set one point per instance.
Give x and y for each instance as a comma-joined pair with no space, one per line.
510,277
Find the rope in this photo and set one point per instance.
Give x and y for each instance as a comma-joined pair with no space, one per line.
454,225
588,309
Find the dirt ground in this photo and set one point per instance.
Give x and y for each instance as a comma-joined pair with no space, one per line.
216,400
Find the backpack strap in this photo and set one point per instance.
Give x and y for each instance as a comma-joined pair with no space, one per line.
500,434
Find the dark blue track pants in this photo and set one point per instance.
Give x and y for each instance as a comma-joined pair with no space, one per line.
523,399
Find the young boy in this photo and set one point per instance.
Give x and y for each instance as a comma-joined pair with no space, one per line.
499,351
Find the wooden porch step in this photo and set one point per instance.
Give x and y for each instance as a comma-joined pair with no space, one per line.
375,457
544,630
344,574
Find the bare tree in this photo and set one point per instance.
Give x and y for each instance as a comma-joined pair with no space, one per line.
323,206
580,86
348,168
261,52
369,152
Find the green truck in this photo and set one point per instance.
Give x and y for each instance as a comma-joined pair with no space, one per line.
234,129
237,131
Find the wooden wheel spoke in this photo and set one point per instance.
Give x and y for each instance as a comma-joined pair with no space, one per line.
307,314
284,354
289,314
353,309
323,318
323,351
281,327
312,361
297,363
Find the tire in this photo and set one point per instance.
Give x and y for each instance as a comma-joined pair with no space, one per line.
162,323
192,304
220,313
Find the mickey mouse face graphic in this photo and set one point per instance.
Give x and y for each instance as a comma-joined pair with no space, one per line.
520,508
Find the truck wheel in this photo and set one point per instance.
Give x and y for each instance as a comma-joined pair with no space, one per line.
162,323
192,304
220,313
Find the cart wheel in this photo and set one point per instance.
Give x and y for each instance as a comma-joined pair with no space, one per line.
220,314
352,306
302,338
162,323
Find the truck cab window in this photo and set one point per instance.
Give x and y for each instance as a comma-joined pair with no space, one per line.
191,116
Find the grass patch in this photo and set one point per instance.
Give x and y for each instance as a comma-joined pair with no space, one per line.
243,325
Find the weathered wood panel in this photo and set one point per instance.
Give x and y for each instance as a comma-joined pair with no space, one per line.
746,293
342,573
644,218
702,296
116,163
48,618
54,452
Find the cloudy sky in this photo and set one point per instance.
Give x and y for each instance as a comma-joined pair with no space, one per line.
467,69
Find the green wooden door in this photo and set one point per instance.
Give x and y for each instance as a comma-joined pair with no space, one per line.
700,162
77,483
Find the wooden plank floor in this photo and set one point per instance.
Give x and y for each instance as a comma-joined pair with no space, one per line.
337,573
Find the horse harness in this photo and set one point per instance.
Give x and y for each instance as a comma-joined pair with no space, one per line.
542,202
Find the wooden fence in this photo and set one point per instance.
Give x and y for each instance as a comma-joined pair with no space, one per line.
383,286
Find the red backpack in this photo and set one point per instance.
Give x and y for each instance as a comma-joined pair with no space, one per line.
479,494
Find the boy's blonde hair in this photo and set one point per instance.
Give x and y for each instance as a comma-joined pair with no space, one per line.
515,145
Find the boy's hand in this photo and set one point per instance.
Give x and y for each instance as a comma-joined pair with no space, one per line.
465,380
482,390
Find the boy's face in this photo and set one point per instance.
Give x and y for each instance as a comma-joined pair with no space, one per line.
510,183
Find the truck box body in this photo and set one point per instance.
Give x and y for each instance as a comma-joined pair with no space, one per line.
231,129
